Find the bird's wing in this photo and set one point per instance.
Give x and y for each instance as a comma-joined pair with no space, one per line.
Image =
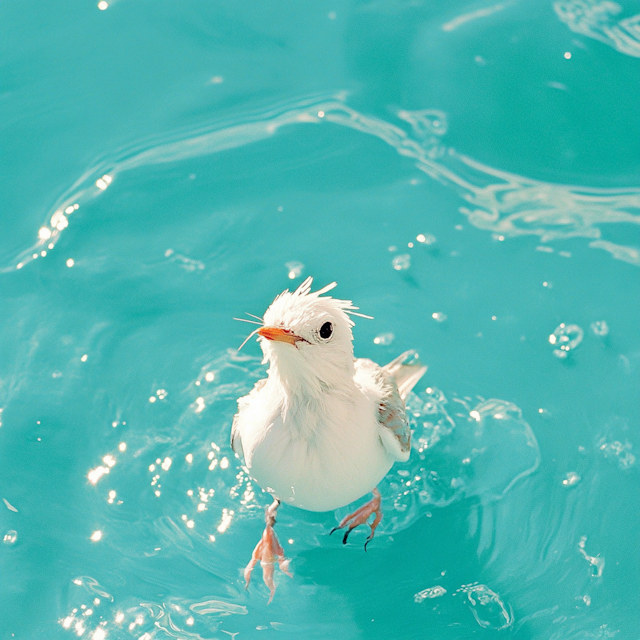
392,384
405,375
236,441
395,432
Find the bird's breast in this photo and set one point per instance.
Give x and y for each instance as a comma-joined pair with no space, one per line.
320,460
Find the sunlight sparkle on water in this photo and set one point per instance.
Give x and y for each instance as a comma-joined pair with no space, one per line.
95,474
105,181
227,517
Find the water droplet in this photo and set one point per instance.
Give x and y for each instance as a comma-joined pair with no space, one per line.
571,479
618,452
487,607
431,592
10,537
600,328
384,339
401,262
565,338
294,269
438,316
426,238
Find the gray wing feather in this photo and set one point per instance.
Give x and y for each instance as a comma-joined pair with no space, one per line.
397,380
395,431
406,376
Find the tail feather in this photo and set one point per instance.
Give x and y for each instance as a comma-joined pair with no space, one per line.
405,375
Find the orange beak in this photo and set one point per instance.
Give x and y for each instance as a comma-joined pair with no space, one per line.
279,335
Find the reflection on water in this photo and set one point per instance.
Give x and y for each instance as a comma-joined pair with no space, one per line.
504,203
598,19
461,451
101,617
195,493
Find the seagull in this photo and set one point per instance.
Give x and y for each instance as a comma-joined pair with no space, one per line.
323,428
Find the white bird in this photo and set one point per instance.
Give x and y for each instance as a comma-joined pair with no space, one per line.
323,428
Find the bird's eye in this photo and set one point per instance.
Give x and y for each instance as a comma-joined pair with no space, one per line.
326,330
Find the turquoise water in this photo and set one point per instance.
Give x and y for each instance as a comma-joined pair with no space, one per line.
469,174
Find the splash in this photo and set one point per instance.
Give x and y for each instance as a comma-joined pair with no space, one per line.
565,338
597,19
596,562
98,618
430,593
487,608
503,203
618,452
481,451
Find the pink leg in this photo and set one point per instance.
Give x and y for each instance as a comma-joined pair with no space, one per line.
267,552
360,516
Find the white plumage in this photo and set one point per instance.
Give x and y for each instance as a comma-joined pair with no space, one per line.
323,428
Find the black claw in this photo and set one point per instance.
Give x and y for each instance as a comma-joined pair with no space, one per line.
346,535
366,542
334,529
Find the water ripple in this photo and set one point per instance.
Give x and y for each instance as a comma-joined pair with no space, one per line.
497,201
597,19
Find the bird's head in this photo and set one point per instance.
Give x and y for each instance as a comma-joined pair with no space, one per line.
306,338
